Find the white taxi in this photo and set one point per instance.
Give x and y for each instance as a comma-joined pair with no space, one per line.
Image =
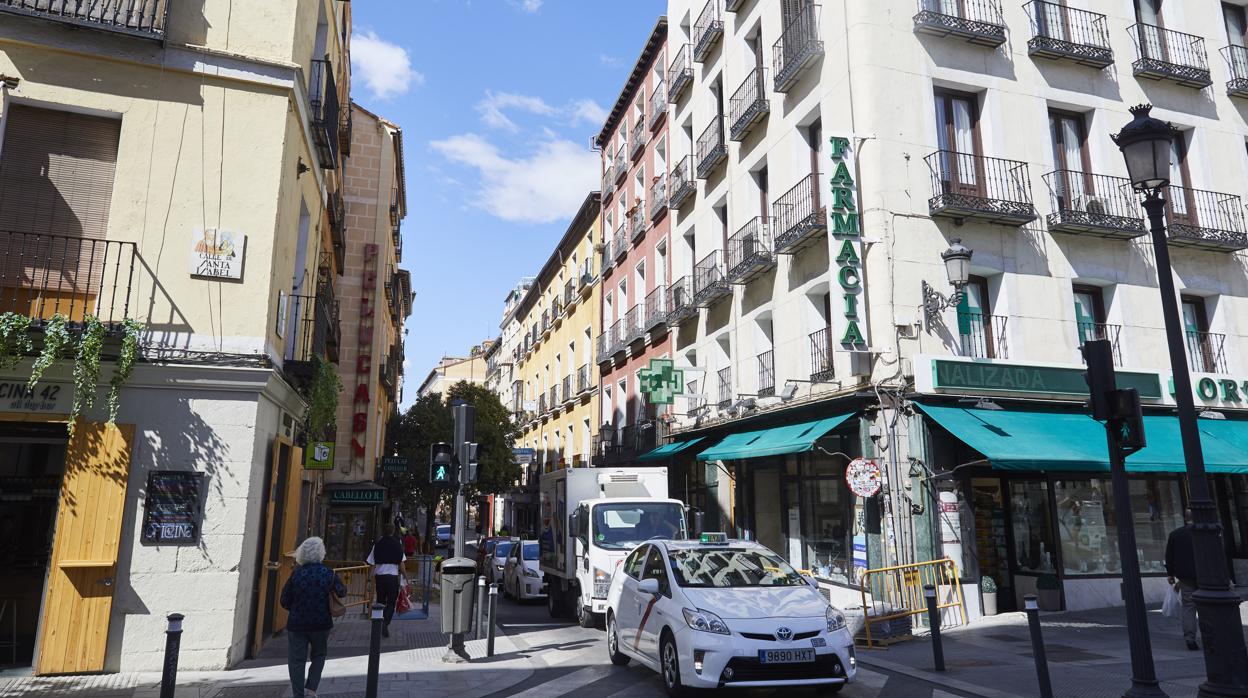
718,612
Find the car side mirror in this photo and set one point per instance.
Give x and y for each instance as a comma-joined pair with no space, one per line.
650,585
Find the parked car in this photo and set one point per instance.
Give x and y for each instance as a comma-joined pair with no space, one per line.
496,558
483,550
442,536
522,576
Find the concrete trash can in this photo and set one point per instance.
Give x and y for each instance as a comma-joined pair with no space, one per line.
458,592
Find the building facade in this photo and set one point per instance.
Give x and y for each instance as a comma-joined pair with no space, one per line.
209,258
453,369
832,175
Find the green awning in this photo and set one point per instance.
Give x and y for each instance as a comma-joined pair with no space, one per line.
790,438
668,450
1072,442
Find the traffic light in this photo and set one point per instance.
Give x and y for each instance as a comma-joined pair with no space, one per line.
441,464
1129,418
468,461
1098,354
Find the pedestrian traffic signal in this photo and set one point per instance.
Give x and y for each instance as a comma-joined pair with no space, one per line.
441,464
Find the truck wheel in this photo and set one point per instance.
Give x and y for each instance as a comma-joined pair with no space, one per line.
585,616
554,603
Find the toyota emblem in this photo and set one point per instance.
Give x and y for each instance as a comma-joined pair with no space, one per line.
784,633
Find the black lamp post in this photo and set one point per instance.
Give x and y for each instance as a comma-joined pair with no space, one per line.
1146,146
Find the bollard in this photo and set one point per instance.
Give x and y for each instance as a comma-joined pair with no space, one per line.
374,651
491,619
933,621
173,640
1037,645
479,616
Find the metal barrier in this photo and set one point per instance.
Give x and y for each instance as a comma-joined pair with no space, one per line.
358,579
891,593
420,570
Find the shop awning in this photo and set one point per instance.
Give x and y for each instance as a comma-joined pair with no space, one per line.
776,441
1059,441
668,450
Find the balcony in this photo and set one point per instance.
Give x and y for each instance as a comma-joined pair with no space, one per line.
142,19
541,404
1100,330
1164,54
553,401
603,348
1204,352
640,135
1093,205
725,387
314,332
658,198
658,104
336,212
637,222
582,380
766,374
565,389
799,218
1059,33
708,29
680,184
656,309
734,5
585,282
556,311
797,48
46,275
711,149
821,355
709,283
750,252
619,336
976,21
619,245
608,255
323,100
608,182
680,73
570,296
680,306
620,167
1236,58
748,105
396,237
1204,220
633,330
982,336
546,323
978,187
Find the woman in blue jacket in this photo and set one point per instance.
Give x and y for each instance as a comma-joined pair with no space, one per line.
306,597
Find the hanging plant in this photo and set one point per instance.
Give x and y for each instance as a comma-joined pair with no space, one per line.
15,341
125,365
322,397
86,368
56,345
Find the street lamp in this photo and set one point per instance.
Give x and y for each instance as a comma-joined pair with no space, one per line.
958,268
1146,147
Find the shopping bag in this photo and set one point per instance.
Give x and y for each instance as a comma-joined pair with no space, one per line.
1173,603
404,603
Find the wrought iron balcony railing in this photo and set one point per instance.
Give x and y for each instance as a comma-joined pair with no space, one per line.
637,144
1164,54
570,296
977,21
749,105
680,305
136,17
1236,58
1206,220
546,322
658,103
711,149
965,185
608,255
680,72
1067,33
620,242
821,355
725,387
658,197
582,379
603,348
709,283
619,335
637,222
734,5
566,389
681,185
797,48
315,329
766,374
656,309
553,401
1204,352
620,166
541,404
1100,330
46,275
708,29
608,181
982,336
633,330
750,252
798,217
1092,204
323,100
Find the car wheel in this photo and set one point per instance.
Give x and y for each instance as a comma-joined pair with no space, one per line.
585,616
613,643
669,665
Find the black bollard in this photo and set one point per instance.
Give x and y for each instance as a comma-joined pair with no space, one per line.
1037,645
933,621
173,640
374,651
489,642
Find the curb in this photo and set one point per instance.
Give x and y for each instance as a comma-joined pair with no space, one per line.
934,677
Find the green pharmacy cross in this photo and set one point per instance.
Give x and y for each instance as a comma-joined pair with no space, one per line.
661,382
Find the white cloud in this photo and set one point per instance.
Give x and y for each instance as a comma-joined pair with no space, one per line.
589,112
385,68
545,186
610,61
491,108
527,5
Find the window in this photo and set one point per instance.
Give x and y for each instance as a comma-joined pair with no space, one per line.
1203,348
1033,527
957,134
1070,155
1180,203
1088,531
975,320
655,570
1233,17
1152,37
1089,313
633,564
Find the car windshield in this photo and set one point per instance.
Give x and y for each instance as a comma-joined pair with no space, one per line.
444,529
530,551
623,526
502,548
732,567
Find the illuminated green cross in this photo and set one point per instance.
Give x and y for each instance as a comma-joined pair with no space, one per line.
662,381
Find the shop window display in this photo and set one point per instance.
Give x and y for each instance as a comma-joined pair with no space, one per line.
1088,531
1033,530
827,509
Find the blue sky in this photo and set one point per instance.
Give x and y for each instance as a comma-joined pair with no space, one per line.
498,100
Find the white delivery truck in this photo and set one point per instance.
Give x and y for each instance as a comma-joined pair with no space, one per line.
591,519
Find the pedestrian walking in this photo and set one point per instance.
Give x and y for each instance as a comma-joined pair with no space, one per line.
307,596
1181,571
387,559
410,542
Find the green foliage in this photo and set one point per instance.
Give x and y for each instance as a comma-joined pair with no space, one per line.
86,368
323,398
56,345
988,584
15,341
125,365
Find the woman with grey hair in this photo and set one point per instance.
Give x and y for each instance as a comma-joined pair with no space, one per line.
306,597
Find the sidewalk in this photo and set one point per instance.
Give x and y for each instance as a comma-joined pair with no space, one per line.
1088,655
411,665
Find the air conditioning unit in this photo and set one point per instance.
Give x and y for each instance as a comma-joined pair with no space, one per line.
1095,205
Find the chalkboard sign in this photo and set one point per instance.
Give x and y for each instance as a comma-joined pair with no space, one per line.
172,513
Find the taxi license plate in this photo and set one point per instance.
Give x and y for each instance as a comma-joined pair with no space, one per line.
786,656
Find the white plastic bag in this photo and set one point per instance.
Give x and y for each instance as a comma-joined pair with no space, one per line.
1172,604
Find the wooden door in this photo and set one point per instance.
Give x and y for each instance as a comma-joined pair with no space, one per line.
79,599
272,528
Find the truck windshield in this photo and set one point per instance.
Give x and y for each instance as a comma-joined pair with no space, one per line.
623,526
732,567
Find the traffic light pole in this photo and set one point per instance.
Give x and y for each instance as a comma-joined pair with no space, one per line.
465,431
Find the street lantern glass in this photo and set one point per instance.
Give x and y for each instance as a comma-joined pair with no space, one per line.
1146,146
957,263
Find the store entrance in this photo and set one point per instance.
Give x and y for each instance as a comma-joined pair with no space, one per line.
991,539
349,534
32,466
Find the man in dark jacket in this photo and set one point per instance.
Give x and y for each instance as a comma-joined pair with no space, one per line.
387,559
1181,568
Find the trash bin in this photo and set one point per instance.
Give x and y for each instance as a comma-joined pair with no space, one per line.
458,591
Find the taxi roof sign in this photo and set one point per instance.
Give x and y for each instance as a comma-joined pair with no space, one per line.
714,538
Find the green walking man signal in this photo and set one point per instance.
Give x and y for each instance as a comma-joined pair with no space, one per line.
441,464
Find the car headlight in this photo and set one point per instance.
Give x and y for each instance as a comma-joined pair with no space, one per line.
836,619
602,583
531,573
705,621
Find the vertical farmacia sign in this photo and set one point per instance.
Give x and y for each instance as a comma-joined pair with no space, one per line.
846,243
